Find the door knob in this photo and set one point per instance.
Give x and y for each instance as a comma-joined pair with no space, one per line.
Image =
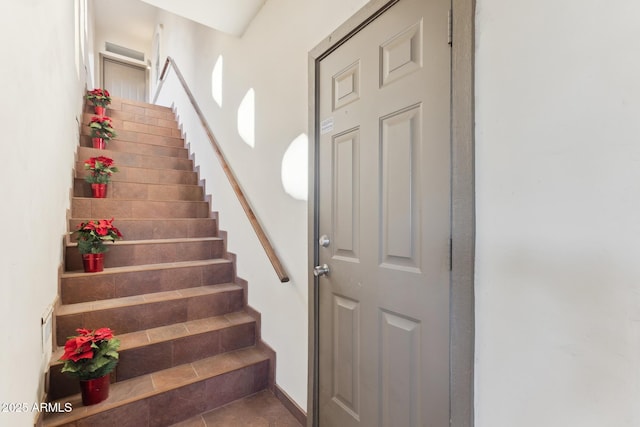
320,270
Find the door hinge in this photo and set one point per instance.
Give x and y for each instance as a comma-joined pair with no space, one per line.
450,27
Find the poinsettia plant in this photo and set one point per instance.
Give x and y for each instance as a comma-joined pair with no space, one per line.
101,127
92,235
100,169
99,97
90,354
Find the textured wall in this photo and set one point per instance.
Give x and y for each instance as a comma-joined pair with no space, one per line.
558,178
42,86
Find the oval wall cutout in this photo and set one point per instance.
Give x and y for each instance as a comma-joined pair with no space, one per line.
216,81
295,168
246,118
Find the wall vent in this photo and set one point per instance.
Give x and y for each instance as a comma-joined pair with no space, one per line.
124,51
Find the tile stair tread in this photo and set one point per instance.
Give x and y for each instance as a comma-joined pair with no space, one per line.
87,139
145,267
108,199
137,218
120,116
160,241
130,116
157,184
135,389
104,151
123,136
153,159
80,164
151,181
118,99
160,334
82,307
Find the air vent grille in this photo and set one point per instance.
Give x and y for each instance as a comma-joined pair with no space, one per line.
124,51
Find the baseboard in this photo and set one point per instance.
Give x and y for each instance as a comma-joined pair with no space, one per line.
291,406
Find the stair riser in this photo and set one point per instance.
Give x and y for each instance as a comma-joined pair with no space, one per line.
143,109
116,145
147,120
177,405
129,190
154,357
149,253
150,314
135,107
119,117
129,126
134,160
148,176
113,208
143,229
101,286
145,138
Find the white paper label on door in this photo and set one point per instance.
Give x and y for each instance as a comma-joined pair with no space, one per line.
326,126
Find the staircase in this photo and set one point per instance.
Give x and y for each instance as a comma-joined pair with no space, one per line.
189,342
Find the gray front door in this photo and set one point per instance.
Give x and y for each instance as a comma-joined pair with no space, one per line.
384,205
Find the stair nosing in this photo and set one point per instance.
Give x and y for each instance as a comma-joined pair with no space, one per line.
159,241
144,267
159,184
150,219
142,200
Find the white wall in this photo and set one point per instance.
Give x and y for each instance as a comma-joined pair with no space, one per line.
558,180
42,79
272,58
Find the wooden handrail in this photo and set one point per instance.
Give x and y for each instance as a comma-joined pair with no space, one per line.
246,206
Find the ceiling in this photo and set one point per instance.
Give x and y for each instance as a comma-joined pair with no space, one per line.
229,16
135,20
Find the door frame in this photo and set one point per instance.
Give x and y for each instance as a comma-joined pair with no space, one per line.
462,300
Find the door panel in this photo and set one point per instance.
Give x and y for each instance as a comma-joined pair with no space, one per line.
400,145
346,190
384,201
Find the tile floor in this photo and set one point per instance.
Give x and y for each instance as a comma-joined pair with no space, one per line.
262,409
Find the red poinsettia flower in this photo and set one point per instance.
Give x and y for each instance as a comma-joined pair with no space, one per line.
77,348
100,169
102,120
84,332
106,161
99,97
90,354
86,226
102,334
93,234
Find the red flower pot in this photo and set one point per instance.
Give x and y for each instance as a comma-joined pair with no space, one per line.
93,263
98,143
99,191
94,391
99,110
